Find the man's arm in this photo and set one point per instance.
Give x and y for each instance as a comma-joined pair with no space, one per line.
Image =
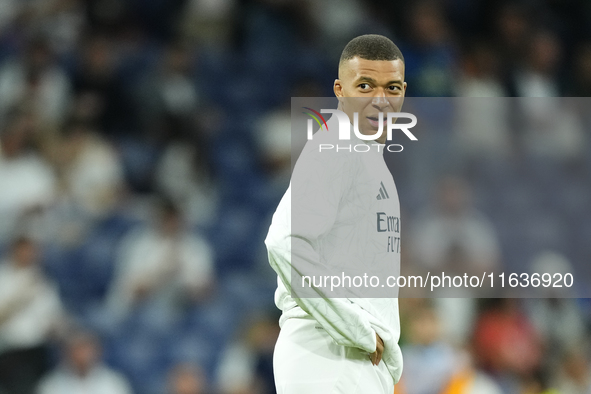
318,184
342,320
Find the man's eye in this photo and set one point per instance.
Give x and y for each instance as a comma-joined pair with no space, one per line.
364,86
394,87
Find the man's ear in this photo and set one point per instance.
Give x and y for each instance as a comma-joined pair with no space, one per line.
338,88
404,87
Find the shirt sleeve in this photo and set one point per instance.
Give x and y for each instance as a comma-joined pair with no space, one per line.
317,187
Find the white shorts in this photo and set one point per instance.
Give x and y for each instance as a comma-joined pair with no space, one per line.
308,361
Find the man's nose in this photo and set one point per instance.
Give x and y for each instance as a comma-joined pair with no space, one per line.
380,102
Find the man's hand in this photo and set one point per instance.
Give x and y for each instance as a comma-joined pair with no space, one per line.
376,356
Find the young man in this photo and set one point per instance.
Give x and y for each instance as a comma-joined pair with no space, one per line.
341,208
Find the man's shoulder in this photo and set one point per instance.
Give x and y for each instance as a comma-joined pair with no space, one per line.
111,379
51,382
325,152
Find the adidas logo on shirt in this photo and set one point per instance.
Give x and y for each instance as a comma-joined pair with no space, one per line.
383,195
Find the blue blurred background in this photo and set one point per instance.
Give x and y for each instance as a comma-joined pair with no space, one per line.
145,145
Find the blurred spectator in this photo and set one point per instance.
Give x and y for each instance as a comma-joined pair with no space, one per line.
536,383
482,125
273,132
274,137
30,312
556,316
168,97
187,379
512,31
559,322
82,372
429,362
102,94
247,364
505,341
457,316
537,78
164,264
452,235
574,374
182,174
236,370
337,21
210,23
62,21
462,376
36,81
90,170
168,101
27,182
430,56
552,129
470,380
481,72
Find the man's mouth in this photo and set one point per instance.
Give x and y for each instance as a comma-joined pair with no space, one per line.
374,121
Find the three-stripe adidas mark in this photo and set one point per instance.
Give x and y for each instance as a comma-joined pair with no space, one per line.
383,193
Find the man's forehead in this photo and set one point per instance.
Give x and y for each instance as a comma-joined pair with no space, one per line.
382,69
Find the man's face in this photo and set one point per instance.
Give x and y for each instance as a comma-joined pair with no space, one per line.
25,254
369,87
83,354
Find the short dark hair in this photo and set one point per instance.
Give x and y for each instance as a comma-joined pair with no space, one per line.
371,47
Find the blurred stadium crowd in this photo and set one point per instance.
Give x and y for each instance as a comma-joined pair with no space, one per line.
145,144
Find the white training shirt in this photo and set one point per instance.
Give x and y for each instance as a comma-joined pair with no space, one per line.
341,203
